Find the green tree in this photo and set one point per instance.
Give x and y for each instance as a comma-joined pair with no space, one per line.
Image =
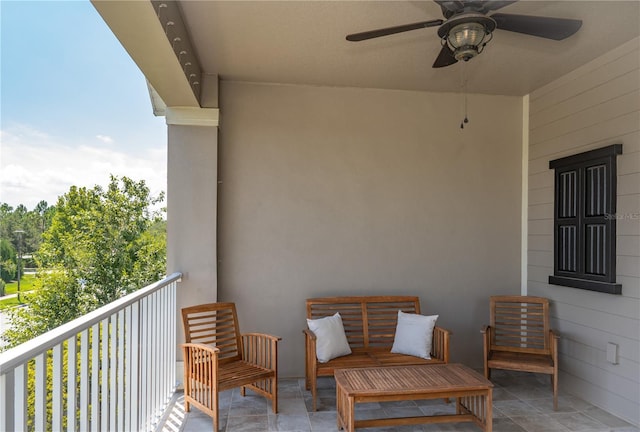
101,244
8,265
33,224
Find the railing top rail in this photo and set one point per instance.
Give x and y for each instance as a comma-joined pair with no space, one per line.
28,350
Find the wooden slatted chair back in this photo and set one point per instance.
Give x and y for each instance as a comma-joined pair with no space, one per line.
350,310
521,324
214,324
383,319
369,321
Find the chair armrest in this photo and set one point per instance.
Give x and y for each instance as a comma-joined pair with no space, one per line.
202,350
310,339
554,338
260,349
440,347
200,365
309,334
486,340
262,336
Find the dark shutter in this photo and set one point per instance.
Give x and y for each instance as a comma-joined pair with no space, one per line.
584,220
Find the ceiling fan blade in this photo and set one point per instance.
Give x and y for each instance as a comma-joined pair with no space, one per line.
545,27
449,7
356,37
445,58
491,5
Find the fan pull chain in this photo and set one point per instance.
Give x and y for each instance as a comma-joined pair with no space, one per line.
466,119
463,89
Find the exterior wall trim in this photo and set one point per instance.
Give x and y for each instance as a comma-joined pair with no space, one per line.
189,116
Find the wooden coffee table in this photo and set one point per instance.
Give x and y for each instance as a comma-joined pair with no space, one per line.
472,392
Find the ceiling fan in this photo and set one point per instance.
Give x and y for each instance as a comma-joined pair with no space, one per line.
467,28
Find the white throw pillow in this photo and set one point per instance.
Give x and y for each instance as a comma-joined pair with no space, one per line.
331,342
414,335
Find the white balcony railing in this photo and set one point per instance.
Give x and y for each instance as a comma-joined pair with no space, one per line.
110,370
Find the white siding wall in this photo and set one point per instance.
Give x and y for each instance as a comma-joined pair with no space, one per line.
593,106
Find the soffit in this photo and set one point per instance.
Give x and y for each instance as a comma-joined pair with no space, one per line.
137,27
302,42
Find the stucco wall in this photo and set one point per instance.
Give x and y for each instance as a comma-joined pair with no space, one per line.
191,215
594,106
333,191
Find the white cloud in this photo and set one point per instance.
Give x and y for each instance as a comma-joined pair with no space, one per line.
35,166
105,139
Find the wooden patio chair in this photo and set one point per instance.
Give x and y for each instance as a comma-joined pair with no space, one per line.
218,357
519,338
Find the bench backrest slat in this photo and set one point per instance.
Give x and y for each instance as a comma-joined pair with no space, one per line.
369,321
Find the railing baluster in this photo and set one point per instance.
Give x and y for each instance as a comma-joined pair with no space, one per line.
128,370
162,345
95,377
56,393
153,359
104,367
20,406
6,404
121,369
156,350
173,307
134,350
84,380
72,371
144,342
113,361
40,414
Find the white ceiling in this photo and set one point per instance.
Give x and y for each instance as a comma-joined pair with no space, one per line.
303,42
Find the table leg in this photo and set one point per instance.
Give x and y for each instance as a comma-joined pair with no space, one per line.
489,418
340,406
351,415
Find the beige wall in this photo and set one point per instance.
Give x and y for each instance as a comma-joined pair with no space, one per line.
594,106
191,214
333,191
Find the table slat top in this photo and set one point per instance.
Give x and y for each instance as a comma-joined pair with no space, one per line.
410,379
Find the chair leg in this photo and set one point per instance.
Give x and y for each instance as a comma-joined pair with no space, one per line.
214,408
243,391
314,385
487,371
274,395
554,381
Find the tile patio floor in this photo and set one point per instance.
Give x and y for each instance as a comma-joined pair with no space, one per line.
522,403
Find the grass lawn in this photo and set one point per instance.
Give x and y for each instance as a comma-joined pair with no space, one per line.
9,303
26,284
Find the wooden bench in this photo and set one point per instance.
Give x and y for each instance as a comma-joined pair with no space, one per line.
519,338
370,325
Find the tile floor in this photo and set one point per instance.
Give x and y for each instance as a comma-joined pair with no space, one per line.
522,403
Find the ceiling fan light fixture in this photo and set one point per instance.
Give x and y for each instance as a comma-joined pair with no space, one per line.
467,34
467,40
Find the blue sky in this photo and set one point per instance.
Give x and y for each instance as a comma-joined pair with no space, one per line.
74,107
